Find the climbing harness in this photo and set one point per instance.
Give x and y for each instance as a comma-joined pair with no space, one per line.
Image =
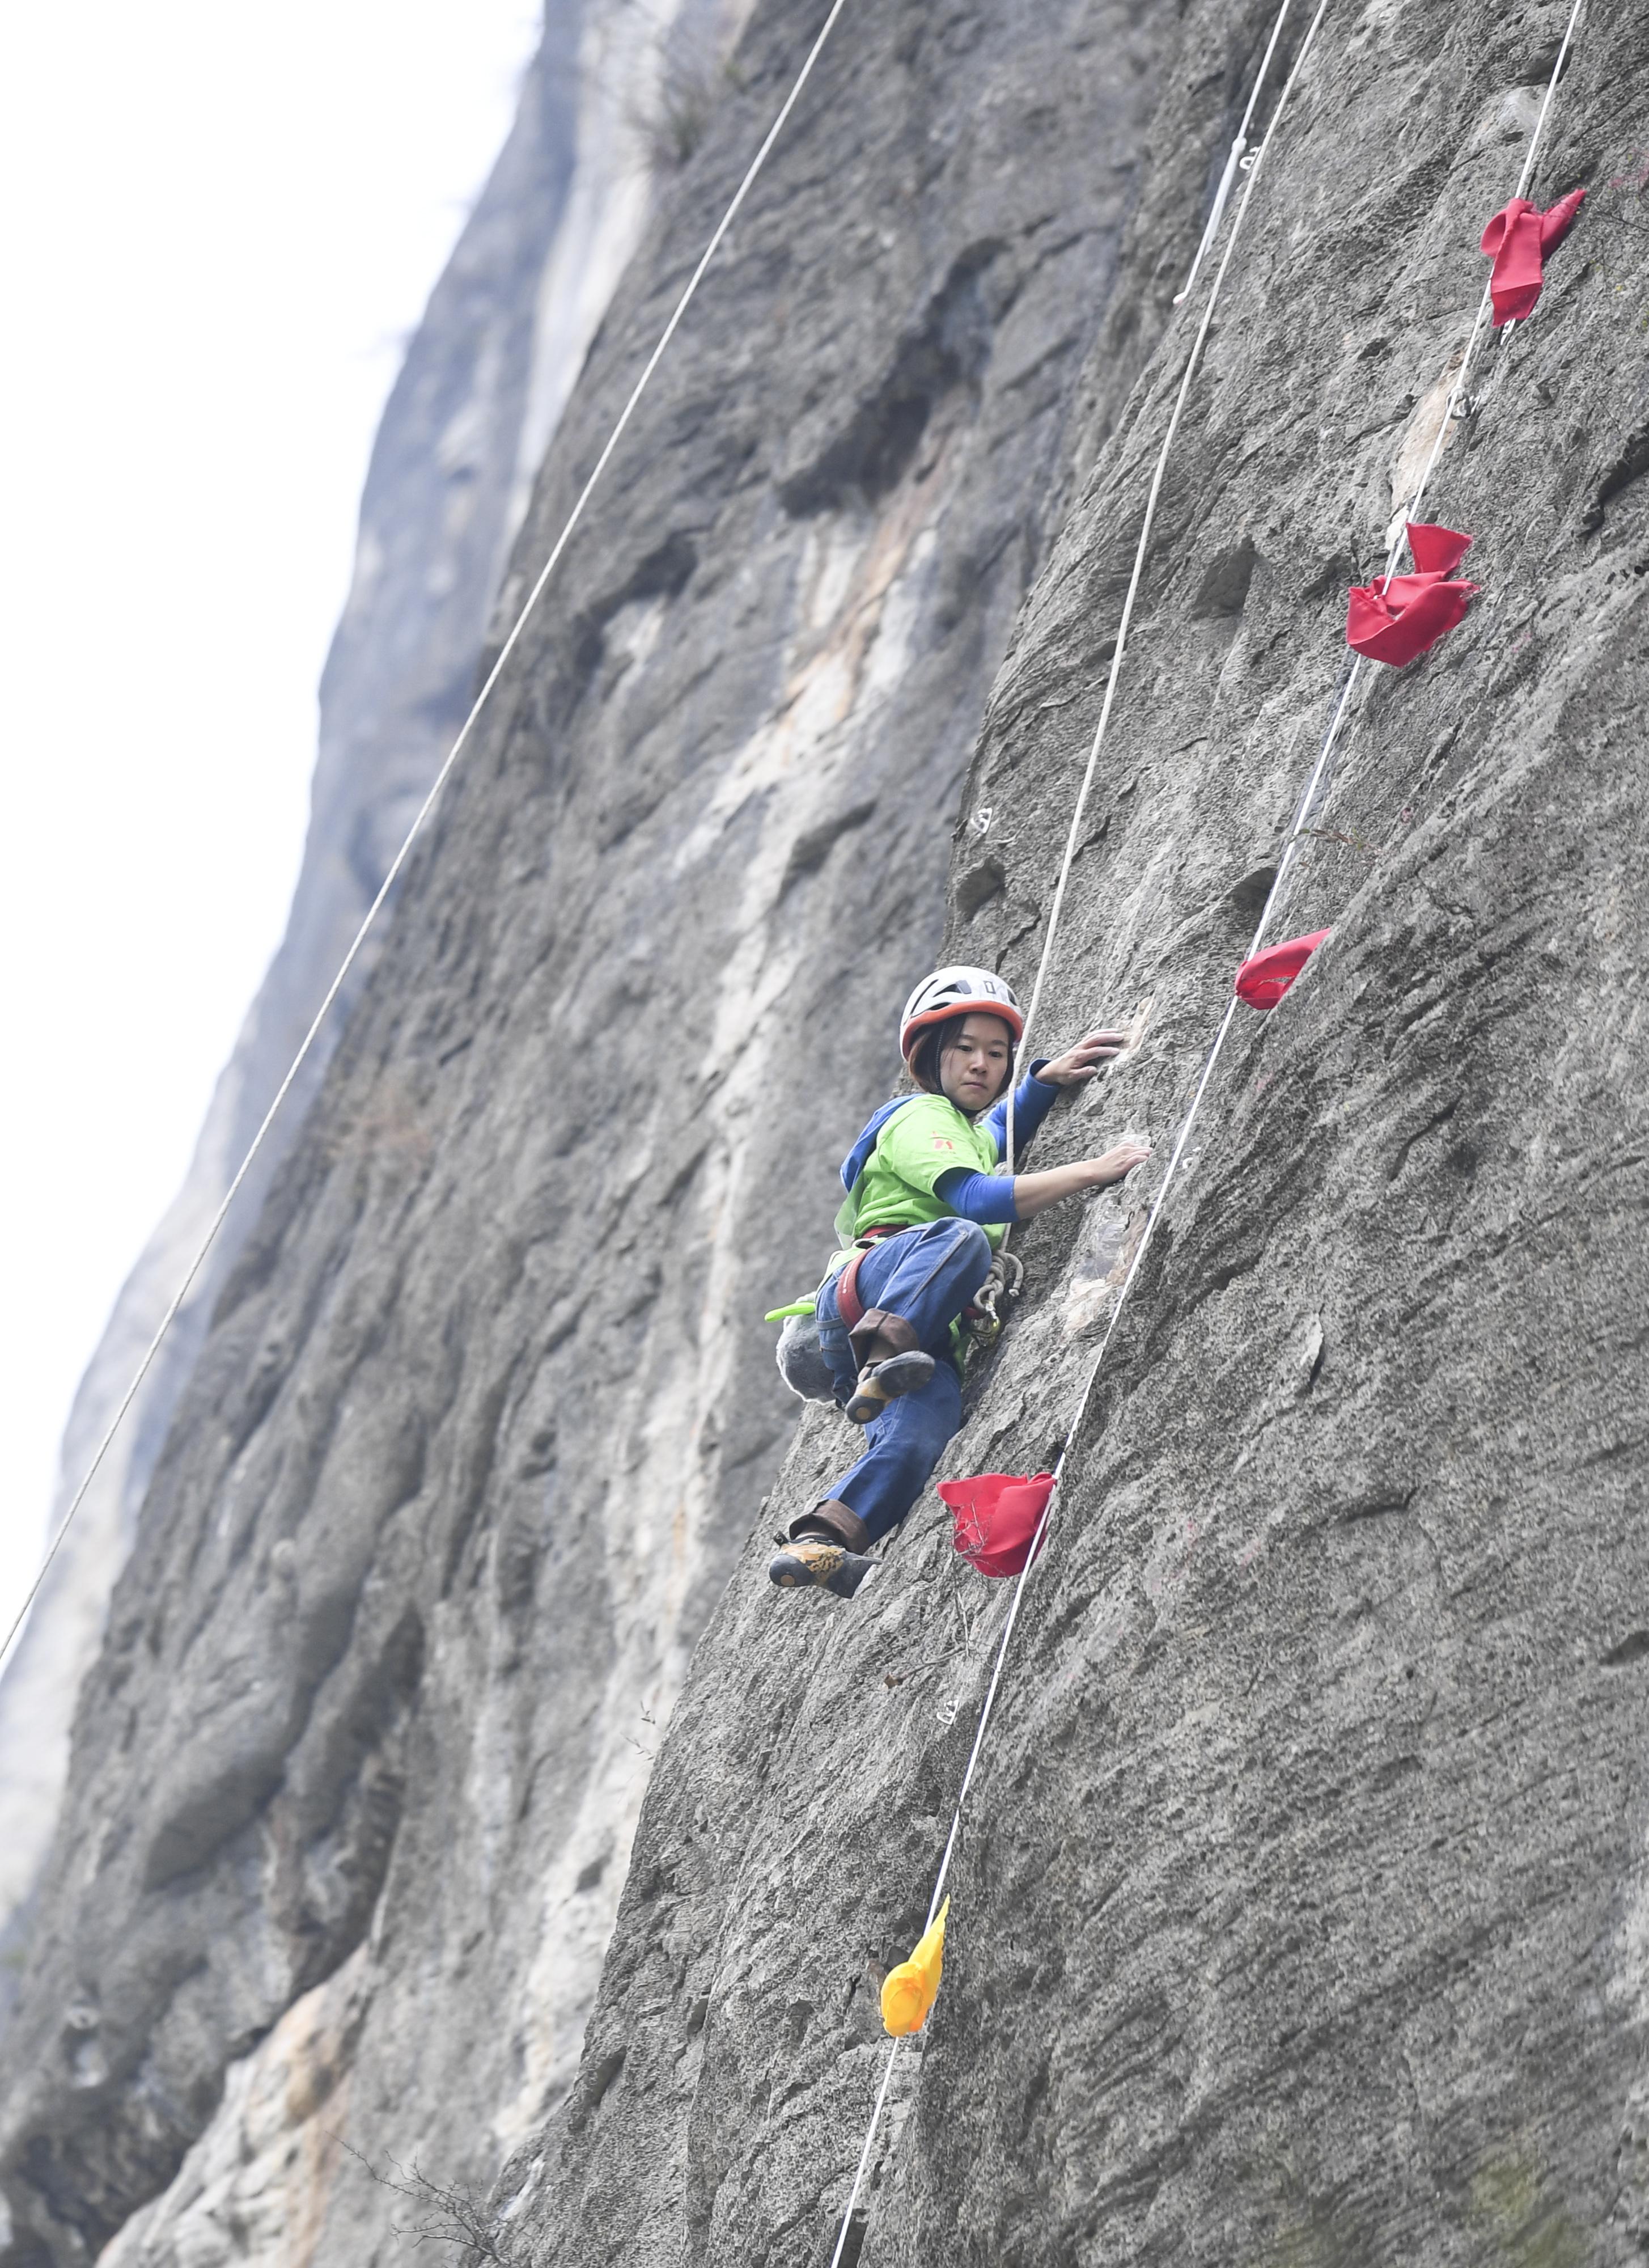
982,1318
1305,807
849,1307
426,807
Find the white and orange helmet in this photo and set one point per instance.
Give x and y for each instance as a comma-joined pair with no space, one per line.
958,992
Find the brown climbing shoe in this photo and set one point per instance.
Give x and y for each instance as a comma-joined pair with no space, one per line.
882,1382
812,1563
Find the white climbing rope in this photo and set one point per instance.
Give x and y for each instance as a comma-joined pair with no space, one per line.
865,2154
1451,412
1155,490
1527,174
1410,510
1222,194
1153,1213
425,808
1147,527
1304,812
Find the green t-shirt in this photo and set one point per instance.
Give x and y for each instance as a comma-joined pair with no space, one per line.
925,1137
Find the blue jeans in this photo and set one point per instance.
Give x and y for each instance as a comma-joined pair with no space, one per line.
927,1275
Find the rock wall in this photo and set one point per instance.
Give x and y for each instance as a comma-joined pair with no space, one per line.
485,380
485,1408
1299,1911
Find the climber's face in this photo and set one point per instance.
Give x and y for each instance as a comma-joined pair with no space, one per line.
973,1066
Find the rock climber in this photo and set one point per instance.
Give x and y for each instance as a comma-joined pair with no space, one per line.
925,1210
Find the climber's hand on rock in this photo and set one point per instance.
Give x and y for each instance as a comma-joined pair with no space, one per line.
1117,1165
1079,1064
1033,1193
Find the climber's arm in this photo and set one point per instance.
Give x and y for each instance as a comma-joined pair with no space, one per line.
989,1197
1033,1098
985,1198
1033,1193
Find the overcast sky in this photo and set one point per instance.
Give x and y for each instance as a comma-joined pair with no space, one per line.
220,224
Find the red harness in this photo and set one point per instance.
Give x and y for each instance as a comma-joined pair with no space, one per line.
849,1307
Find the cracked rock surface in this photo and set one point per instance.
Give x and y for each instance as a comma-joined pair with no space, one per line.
1299,1911
485,1408
441,506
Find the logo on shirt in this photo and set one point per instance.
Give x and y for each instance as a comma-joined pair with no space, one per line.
943,1142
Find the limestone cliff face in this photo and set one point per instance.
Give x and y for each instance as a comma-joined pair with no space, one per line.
1299,1912
486,378
485,1408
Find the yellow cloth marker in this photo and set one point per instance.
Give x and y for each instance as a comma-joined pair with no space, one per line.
913,1987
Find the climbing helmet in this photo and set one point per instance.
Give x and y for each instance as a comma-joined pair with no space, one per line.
958,992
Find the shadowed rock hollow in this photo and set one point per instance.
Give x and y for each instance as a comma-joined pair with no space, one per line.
1298,1916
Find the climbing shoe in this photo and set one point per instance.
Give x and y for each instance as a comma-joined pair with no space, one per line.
882,1382
810,1562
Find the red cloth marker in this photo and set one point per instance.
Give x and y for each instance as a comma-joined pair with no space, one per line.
1400,617
1265,976
996,1517
1517,240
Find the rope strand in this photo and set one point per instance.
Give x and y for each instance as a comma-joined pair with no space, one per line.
1222,194
1147,527
1053,923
